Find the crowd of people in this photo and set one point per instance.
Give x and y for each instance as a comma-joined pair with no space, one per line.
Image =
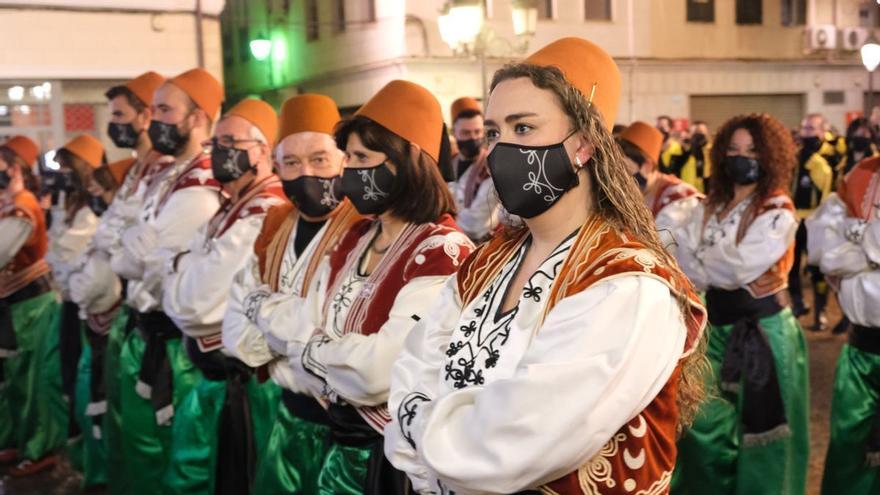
533,300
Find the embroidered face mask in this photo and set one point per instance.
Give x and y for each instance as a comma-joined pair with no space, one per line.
368,189
229,164
531,179
167,138
742,170
122,135
314,196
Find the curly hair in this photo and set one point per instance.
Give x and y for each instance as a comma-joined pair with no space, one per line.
775,152
618,200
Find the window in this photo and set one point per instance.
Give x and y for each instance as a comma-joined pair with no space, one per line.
312,26
701,10
226,39
339,16
244,48
748,12
794,12
545,9
597,10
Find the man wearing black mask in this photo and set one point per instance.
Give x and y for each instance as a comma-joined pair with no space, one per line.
473,192
181,196
813,181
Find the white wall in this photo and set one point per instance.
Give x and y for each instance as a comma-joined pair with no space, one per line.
55,44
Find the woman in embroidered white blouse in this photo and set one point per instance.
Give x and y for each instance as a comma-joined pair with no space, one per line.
737,246
546,361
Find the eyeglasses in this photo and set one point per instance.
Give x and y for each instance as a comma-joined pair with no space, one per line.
227,142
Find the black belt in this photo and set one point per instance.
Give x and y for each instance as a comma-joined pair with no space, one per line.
8,340
304,407
215,365
725,307
349,428
155,379
865,339
38,287
749,367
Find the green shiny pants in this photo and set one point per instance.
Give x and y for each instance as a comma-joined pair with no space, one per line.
33,412
146,446
196,428
344,471
853,409
712,458
117,478
93,448
294,456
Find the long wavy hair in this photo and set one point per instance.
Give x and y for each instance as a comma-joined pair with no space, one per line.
775,152
618,200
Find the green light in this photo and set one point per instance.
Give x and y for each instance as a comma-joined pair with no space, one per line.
261,49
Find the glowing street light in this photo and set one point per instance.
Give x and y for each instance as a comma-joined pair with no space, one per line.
870,59
261,48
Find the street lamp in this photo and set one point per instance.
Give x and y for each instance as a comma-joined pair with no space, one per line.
870,59
461,25
261,48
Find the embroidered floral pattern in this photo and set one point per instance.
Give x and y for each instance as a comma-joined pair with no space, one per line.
371,191
538,180
477,345
252,303
407,413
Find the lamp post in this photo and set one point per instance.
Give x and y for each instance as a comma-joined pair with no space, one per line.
462,28
870,59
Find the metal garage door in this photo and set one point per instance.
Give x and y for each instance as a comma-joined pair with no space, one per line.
717,109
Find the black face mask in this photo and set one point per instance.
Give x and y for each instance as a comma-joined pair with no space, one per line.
469,148
314,196
531,179
5,179
742,170
123,135
641,180
229,164
167,138
97,205
368,189
860,144
811,144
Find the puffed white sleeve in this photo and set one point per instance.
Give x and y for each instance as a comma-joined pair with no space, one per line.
285,318
69,244
241,337
358,367
577,384
186,211
16,231
842,251
414,378
822,235
731,265
871,241
673,217
478,219
195,293
687,242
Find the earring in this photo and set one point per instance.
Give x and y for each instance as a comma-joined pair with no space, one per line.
577,161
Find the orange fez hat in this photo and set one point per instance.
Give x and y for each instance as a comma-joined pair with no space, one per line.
260,114
24,147
119,169
145,85
308,113
411,112
462,104
586,67
87,148
202,88
646,138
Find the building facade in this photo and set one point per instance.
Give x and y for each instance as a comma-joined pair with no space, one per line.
697,59
59,57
